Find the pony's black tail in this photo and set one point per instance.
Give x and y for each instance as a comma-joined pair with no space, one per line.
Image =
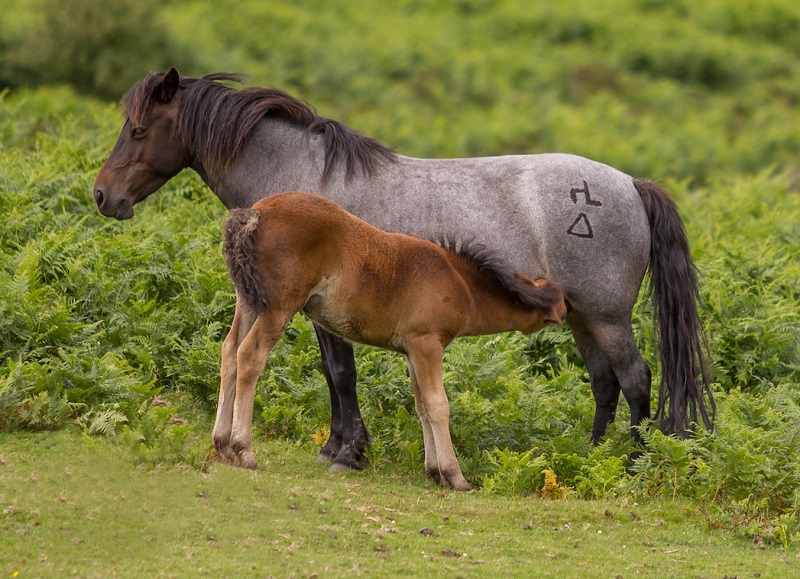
684,370
238,246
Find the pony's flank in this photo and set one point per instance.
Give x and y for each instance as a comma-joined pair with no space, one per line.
215,121
238,246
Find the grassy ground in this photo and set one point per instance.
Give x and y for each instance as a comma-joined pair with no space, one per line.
75,506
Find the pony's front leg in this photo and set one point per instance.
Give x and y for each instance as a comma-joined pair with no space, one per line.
425,356
349,438
251,358
221,436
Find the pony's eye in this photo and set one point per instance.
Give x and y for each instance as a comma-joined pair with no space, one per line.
138,132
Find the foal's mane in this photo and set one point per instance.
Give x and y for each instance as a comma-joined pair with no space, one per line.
216,120
498,273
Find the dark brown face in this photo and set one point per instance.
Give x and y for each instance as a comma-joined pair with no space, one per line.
145,157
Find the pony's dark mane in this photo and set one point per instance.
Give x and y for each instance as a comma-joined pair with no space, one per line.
499,274
216,120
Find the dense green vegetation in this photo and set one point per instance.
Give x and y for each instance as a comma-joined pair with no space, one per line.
117,327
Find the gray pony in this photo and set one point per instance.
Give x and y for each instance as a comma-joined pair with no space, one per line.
583,225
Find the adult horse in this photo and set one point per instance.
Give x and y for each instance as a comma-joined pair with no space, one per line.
585,226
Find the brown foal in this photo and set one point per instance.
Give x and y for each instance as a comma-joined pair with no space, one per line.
301,252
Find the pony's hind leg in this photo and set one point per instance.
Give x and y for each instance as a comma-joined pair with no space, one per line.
617,343
425,357
221,436
251,358
605,386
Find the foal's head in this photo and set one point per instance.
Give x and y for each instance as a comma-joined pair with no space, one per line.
148,151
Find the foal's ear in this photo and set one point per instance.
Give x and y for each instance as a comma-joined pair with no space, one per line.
169,86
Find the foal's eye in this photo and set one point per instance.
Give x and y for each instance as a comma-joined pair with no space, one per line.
138,132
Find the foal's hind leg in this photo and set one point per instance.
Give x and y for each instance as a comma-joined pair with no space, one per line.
605,386
250,359
242,321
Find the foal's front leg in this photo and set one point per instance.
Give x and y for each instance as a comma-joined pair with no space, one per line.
425,357
429,444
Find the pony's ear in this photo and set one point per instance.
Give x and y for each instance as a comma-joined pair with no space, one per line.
169,86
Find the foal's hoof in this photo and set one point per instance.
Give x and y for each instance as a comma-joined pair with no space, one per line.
245,458
457,482
222,454
461,486
247,461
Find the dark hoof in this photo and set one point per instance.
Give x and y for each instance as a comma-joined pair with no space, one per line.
331,449
351,456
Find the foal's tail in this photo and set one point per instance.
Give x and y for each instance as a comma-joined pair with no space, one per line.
684,369
238,246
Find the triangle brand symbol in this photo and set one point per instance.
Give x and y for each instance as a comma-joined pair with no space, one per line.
581,227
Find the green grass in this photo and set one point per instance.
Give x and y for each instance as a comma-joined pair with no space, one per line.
73,506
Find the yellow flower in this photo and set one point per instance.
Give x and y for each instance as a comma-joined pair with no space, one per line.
321,435
552,489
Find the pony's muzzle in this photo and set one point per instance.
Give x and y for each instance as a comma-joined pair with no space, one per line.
120,211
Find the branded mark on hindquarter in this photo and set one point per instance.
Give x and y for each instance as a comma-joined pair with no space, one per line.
581,227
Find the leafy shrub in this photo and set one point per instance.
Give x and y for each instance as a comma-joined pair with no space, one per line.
158,436
515,473
99,48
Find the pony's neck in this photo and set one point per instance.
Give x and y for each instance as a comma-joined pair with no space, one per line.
278,157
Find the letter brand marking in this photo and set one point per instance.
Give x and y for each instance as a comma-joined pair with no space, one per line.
573,193
581,227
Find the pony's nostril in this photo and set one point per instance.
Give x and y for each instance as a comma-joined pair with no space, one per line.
98,196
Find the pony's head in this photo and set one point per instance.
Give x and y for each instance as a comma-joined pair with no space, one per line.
148,151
